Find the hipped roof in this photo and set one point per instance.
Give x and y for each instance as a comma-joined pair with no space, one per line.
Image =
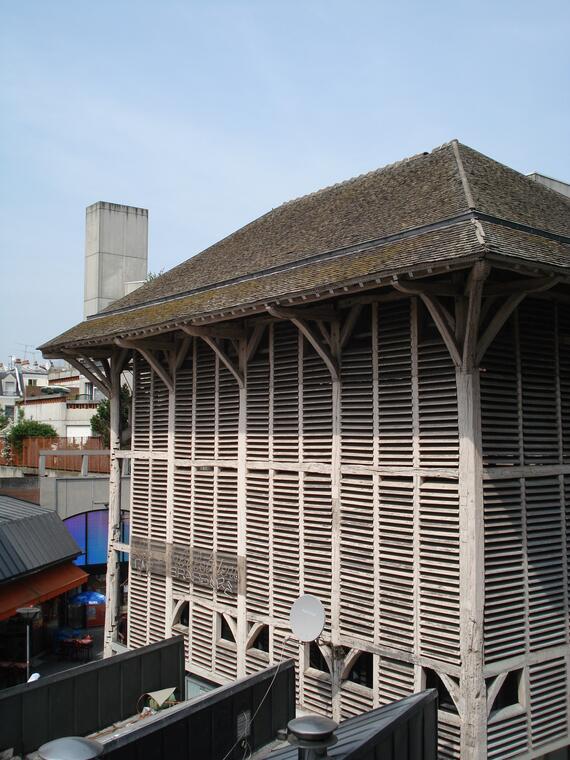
451,205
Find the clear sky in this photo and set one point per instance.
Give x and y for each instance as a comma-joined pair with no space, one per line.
210,113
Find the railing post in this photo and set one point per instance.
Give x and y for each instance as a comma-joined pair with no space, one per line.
84,465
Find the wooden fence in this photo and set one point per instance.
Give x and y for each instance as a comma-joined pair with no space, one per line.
29,456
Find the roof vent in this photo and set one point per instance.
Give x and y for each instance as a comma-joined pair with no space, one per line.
313,735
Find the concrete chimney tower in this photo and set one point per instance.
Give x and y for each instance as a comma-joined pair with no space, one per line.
116,253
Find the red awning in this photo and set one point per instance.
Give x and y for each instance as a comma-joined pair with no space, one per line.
39,587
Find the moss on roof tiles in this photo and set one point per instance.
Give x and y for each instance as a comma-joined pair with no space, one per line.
412,193
446,243
423,190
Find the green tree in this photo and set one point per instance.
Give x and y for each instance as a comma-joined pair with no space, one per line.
27,429
101,420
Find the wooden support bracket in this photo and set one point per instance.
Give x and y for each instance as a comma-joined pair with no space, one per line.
494,689
223,357
219,330
255,340
349,324
182,352
97,379
444,321
474,291
310,335
150,358
505,311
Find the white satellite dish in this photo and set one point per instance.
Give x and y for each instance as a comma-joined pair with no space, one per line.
307,618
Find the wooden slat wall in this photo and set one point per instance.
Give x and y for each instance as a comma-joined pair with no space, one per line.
398,591
391,381
525,401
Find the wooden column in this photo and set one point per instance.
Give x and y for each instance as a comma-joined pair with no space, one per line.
472,567
241,512
114,536
336,518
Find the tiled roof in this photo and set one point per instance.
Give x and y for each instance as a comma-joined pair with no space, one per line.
389,221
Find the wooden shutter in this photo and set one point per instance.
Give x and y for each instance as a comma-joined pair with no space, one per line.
258,541
286,542
183,416
259,393
357,556
548,701
395,385
396,563
358,386
285,370
499,400
439,570
505,581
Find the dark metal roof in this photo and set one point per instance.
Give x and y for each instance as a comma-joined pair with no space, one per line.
31,538
429,209
404,730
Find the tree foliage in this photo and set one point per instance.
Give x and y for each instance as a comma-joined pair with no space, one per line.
101,420
28,429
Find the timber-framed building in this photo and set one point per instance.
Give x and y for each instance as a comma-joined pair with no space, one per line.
364,395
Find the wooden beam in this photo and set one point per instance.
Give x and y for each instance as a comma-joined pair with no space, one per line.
121,359
98,371
310,335
255,340
494,689
442,318
322,313
182,352
103,385
507,308
150,358
224,358
475,284
324,332
349,323
517,286
220,330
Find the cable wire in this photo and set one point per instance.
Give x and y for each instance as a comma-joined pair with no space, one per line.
229,752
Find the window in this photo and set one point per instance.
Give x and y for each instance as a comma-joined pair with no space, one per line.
509,694
433,681
261,641
89,390
9,412
182,616
317,659
225,630
32,381
362,670
9,387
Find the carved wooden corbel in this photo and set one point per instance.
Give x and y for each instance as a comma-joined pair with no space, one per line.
150,358
92,373
294,317
444,321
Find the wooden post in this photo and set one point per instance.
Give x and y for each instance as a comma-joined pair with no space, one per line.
472,566
336,519
112,583
241,512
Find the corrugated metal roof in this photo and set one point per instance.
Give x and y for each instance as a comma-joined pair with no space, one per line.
31,538
358,737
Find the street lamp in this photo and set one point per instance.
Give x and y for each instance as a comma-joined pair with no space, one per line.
29,614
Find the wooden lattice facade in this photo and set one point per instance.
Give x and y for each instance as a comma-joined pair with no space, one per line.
398,446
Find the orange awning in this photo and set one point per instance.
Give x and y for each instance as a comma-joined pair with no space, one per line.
39,587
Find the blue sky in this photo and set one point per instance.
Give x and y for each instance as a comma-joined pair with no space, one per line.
210,113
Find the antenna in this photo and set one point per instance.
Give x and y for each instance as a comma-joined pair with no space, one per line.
307,618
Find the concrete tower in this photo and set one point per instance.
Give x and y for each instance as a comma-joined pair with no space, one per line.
116,253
